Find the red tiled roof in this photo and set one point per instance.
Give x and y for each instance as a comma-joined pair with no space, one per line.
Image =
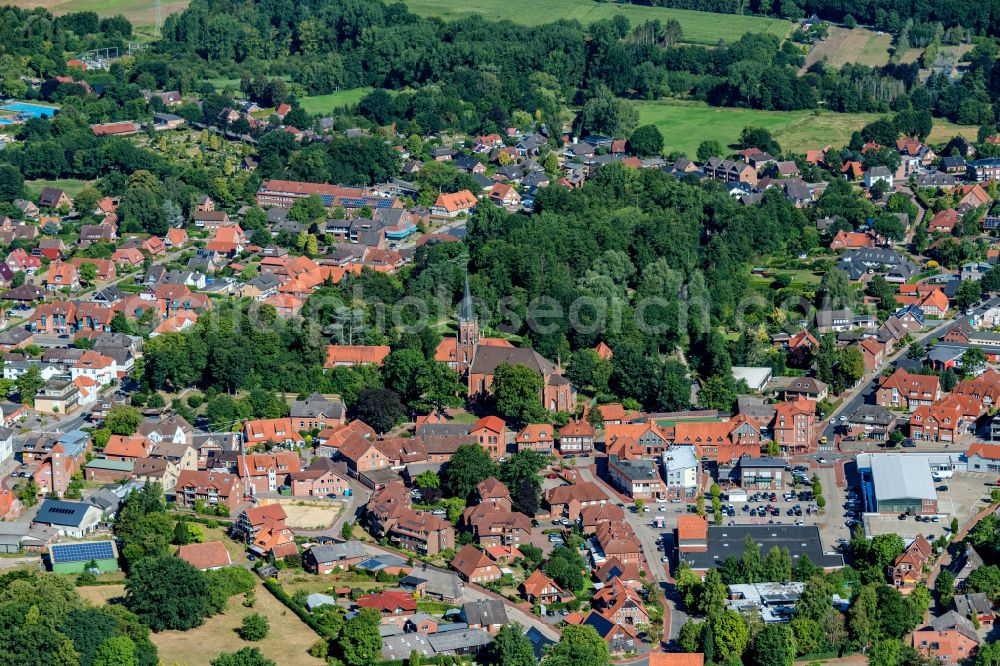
209,555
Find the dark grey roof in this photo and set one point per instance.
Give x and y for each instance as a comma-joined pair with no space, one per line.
727,540
338,551
456,641
539,641
484,612
952,620
488,358
874,414
635,470
58,512
316,405
443,429
264,281
750,461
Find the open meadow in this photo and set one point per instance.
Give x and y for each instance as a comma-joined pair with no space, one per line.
139,12
286,644
329,102
686,124
698,27
859,45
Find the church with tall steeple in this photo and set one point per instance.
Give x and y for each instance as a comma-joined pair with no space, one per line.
476,359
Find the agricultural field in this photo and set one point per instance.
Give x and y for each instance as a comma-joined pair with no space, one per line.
287,642
860,46
698,27
686,124
330,101
139,12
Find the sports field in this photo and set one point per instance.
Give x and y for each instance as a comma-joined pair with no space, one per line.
698,27
685,124
331,101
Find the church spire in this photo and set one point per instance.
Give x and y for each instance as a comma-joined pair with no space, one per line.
467,310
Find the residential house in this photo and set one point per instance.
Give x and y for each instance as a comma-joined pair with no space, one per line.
539,588
576,438
908,568
323,478
328,558
637,479
976,604
453,205
211,488
569,500
949,639
905,391
207,556
794,427
72,519
475,566
394,607
488,614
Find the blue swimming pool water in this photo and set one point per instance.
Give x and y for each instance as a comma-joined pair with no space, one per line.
5,121
32,110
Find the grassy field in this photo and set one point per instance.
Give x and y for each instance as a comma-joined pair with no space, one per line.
139,12
69,185
698,27
860,45
331,101
684,125
286,643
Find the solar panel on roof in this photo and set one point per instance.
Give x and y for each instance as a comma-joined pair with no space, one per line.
82,552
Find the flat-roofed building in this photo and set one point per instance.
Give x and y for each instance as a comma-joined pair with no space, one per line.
902,484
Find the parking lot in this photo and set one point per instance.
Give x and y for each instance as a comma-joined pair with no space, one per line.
966,494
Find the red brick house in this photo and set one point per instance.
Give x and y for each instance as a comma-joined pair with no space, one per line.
539,588
394,607
475,566
908,568
902,390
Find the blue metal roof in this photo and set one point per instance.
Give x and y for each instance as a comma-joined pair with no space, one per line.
82,552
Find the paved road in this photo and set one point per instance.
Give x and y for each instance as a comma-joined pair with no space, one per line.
859,394
648,540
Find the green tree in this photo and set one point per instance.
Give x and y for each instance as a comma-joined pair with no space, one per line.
254,627
379,407
167,593
886,653
347,531
123,420
88,273
182,533
29,384
116,651
427,479
730,634
360,641
579,644
470,466
988,654
510,647
851,365
646,141
944,587
606,114
973,362
708,149
516,391
245,657
773,646
11,183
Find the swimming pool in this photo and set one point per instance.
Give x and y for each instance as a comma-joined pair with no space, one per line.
33,110
6,121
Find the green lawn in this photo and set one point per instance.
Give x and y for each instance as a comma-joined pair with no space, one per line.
331,101
686,124
698,27
70,186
